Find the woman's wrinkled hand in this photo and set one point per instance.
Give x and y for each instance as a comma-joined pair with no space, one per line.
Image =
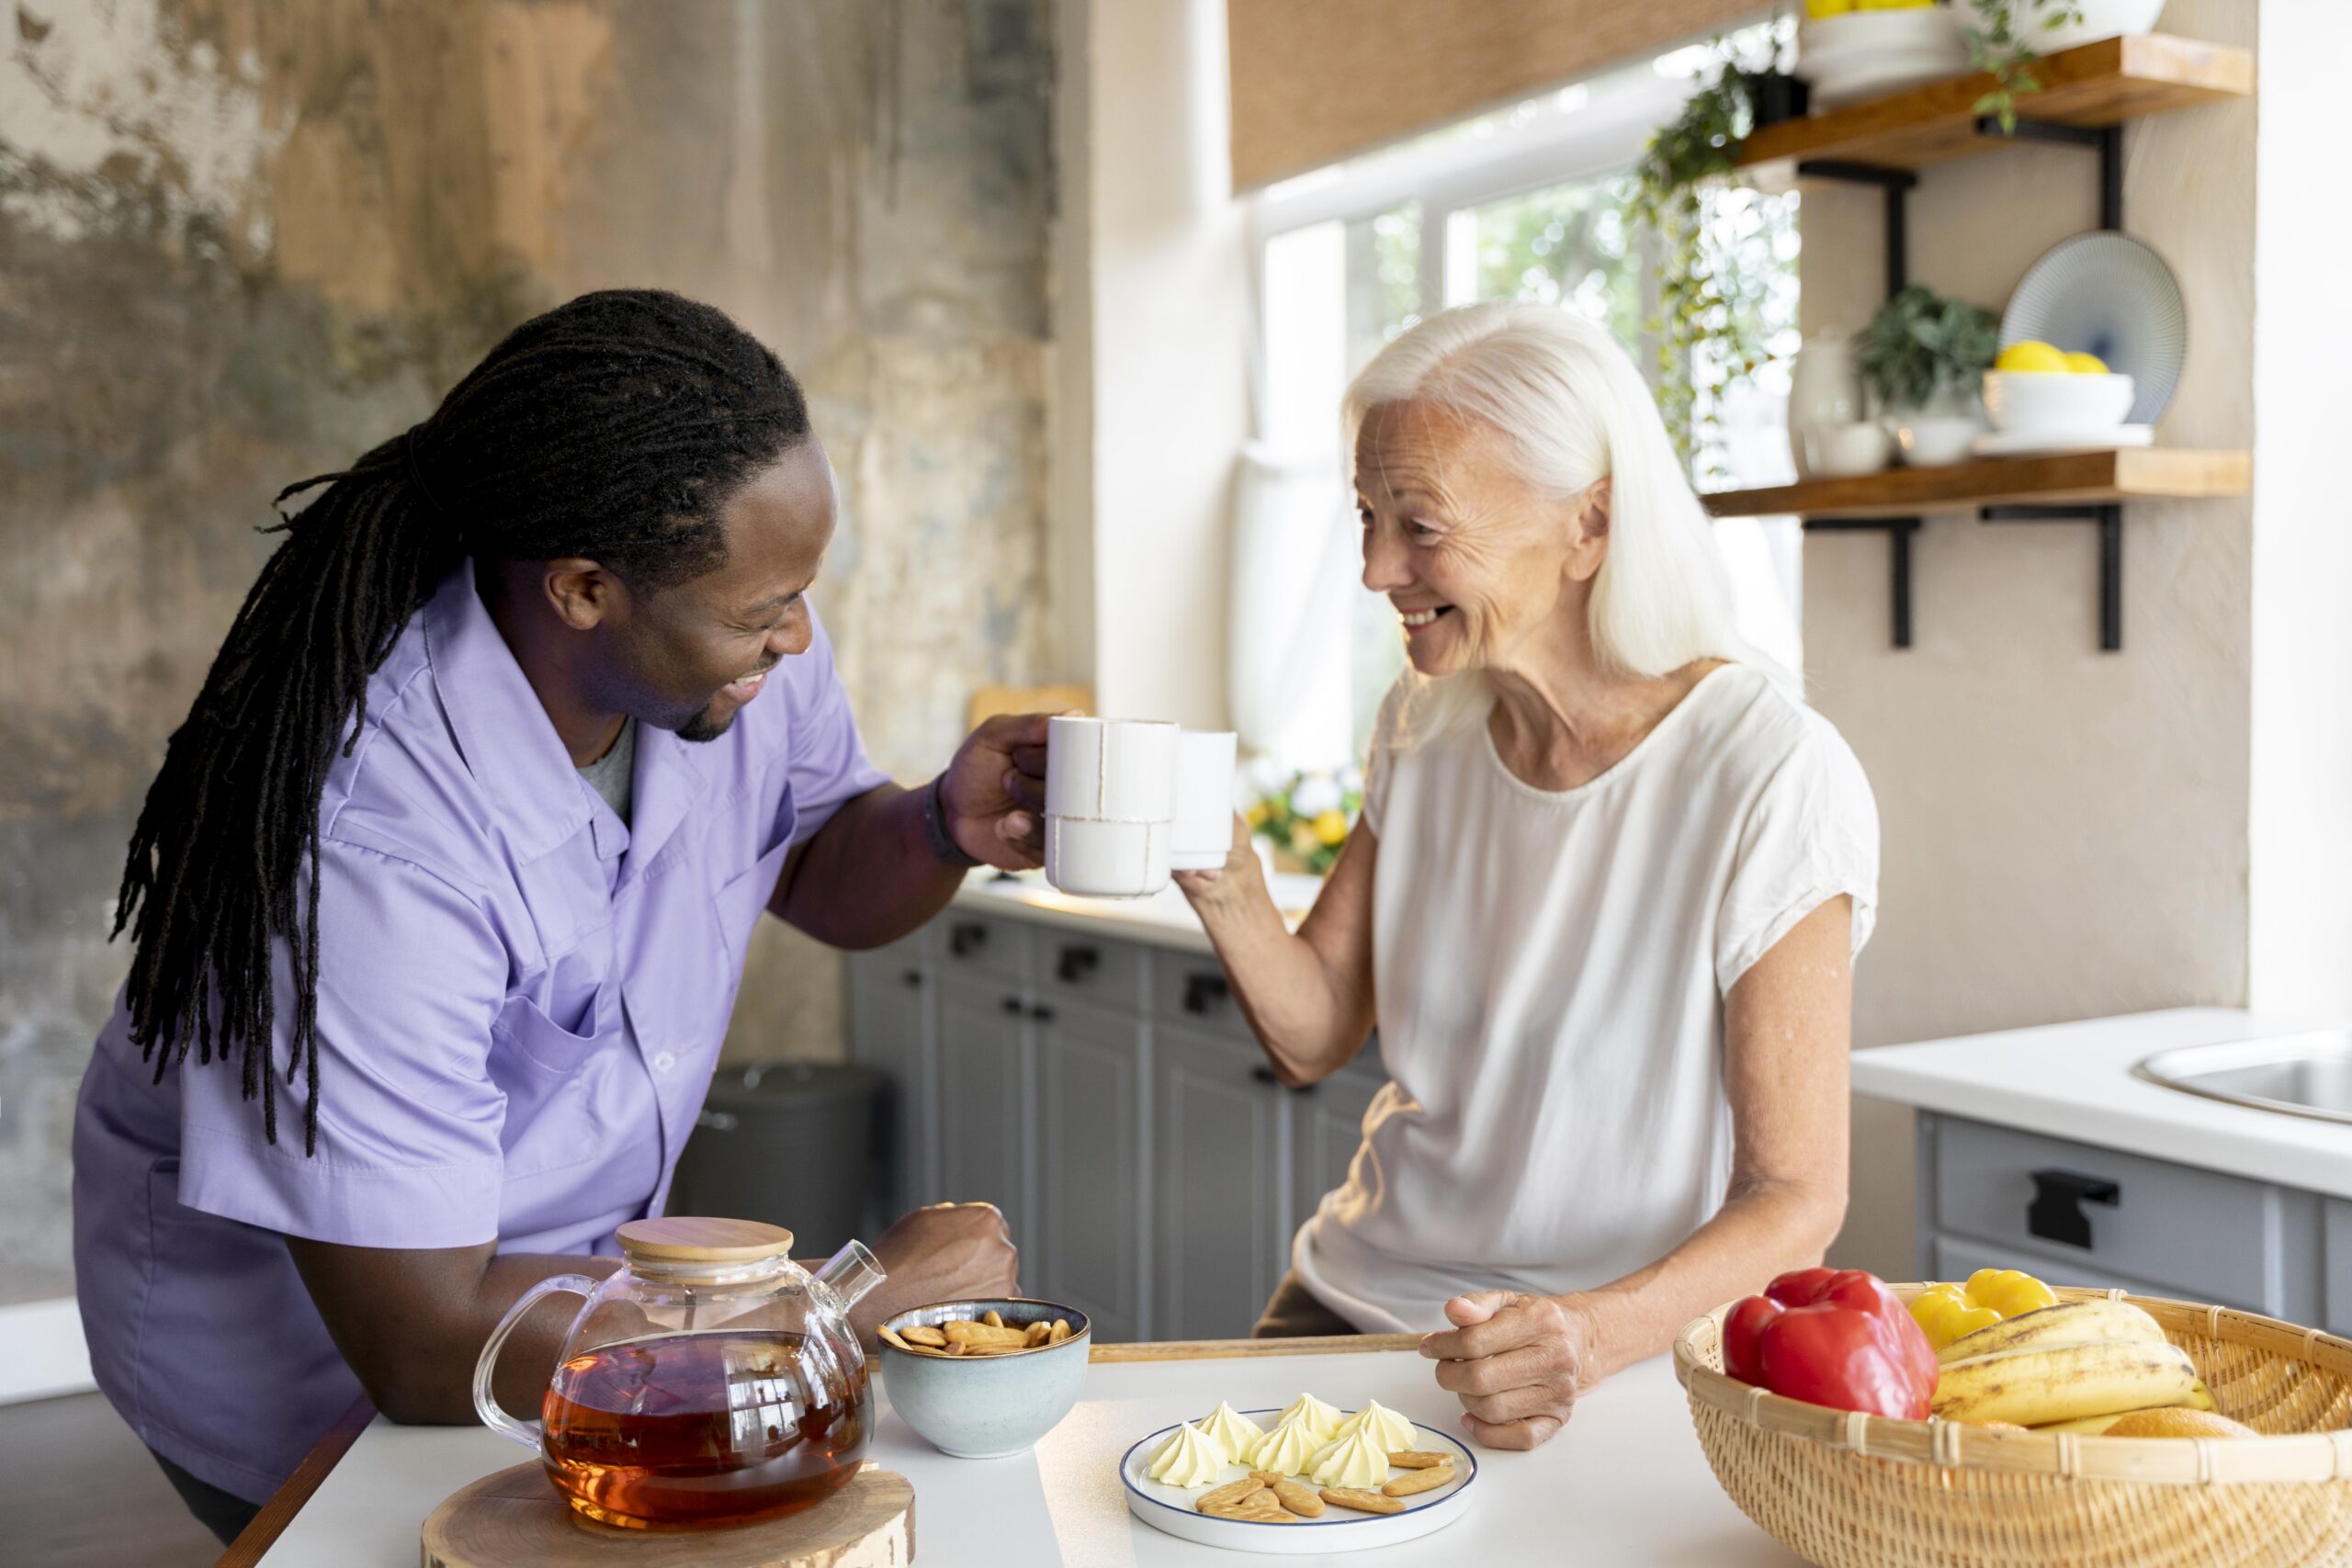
1232,887
1517,1363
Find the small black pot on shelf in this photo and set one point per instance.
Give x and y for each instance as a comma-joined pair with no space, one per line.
1775,95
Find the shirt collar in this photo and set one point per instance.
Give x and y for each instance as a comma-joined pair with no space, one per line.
509,743
511,746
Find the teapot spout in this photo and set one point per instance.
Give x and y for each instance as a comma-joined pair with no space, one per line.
850,1273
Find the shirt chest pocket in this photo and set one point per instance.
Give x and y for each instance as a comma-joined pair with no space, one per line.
549,1046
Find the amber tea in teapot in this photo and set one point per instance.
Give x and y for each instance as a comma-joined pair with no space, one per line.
711,1382
704,1427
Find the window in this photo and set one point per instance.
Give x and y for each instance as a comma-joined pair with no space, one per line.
1532,203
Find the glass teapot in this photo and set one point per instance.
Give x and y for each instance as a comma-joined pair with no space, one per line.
710,1382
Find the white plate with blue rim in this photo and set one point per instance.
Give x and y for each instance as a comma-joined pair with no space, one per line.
1173,1508
2107,294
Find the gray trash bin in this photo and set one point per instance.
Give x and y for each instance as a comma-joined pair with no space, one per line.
789,1143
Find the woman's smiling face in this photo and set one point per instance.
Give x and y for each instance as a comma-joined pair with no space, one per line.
1475,560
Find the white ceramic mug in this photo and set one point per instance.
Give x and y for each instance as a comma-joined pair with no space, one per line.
1110,803
1204,829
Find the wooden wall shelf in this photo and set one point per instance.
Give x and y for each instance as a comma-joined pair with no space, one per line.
2132,473
2083,487
2091,88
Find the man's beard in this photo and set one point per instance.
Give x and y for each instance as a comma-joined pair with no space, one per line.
702,727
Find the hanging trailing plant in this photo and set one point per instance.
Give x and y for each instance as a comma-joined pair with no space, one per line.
2001,44
1706,332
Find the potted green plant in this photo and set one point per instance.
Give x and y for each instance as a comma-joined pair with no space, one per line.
2001,38
1923,355
1703,287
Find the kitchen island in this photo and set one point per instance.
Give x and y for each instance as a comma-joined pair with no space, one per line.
2044,1149
1624,1484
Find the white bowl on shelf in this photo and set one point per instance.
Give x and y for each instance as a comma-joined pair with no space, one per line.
1937,442
2102,19
1847,451
1869,55
2049,400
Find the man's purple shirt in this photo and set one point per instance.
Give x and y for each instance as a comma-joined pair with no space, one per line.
520,1005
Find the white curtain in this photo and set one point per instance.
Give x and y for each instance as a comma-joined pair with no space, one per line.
1295,561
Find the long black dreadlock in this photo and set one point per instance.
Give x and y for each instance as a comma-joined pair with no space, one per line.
612,428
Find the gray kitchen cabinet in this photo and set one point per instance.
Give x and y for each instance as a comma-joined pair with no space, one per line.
1087,1104
2081,1214
1222,1183
893,1031
1108,1095
984,1133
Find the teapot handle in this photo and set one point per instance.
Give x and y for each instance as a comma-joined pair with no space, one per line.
493,1415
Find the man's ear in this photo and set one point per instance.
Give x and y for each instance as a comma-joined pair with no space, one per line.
582,594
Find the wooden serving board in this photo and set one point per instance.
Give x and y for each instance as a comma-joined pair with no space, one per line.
517,1519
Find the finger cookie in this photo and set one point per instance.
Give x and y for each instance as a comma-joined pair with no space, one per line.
1362,1502
1298,1499
1419,1458
1231,1493
1415,1481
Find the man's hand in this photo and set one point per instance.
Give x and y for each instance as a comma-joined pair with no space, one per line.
1517,1363
943,1253
995,792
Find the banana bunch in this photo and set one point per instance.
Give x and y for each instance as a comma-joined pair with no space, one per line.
2079,1367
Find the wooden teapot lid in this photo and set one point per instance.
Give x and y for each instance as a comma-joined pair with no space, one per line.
682,1239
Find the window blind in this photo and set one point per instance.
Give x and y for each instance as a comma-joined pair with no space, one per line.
1317,81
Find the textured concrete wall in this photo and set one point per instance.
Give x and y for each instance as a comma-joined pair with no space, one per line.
2065,831
242,240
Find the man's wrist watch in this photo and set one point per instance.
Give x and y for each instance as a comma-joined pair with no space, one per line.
934,827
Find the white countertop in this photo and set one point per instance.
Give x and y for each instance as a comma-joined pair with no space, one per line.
2074,1081
1625,1486
1163,919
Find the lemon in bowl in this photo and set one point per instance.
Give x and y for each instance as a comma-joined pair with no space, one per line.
2033,357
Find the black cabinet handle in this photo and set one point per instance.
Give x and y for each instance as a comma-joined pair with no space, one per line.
1041,1014
1075,964
2056,1212
966,938
910,978
1012,1006
1266,1075
1201,990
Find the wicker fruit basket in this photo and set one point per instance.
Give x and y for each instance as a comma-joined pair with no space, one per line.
1846,1490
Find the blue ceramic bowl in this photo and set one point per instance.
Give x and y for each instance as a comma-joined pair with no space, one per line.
986,1407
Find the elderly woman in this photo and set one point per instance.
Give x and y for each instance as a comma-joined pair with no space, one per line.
1602,904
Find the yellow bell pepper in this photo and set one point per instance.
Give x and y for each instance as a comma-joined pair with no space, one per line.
1991,1296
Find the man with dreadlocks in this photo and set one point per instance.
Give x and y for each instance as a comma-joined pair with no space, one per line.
515,736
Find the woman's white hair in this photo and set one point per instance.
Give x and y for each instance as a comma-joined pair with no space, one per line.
1572,411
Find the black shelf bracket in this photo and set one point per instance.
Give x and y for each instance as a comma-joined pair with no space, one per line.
2107,141
1898,532
1897,183
2108,515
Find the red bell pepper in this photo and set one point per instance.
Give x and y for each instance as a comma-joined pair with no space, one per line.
1834,1337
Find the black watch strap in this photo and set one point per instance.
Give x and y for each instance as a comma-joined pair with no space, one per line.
934,827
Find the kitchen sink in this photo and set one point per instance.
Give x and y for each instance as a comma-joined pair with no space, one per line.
2303,1075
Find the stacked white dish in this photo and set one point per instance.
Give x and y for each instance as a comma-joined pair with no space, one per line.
1129,800
1110,806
